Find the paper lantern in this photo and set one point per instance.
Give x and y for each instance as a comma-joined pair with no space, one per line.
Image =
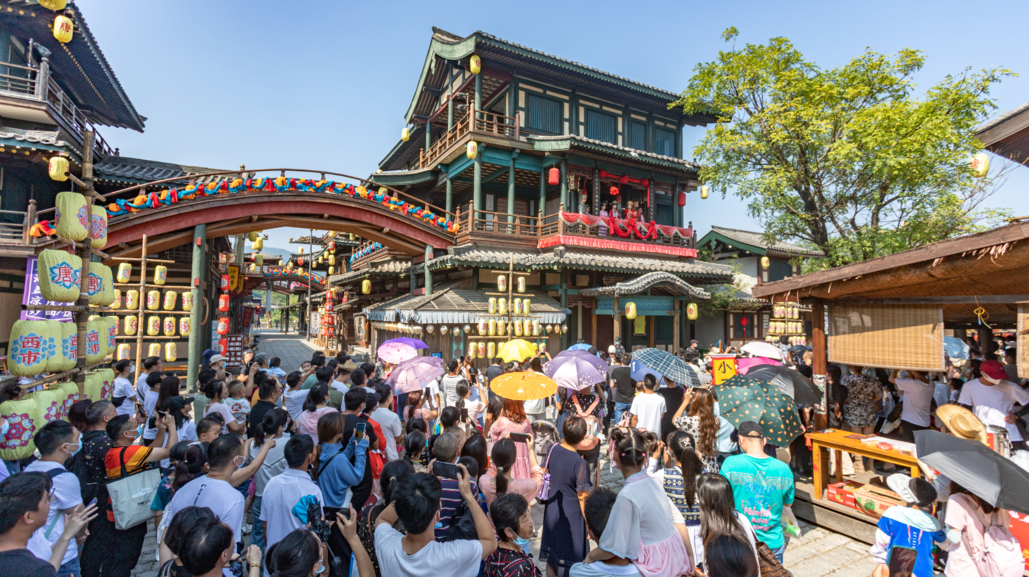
554,176
69,395
980,164
535,327
472,150
132,300
187,301
471,351
169,326
259,259
65,358
491,327
59,275
692,311
502,283
107,295
491,350
224,283
23,418
71,216
185,326
517,328
527,327
332,259
467,329
366,286
492,305
153,300
223,326
480,348
517,306
223,346
301,250
564,329
682,199
550,329
252,236
96,341
131,324
53,4
96,285
502,306
31,347
259,244
765,263
123,352
630,310
520,284
332,270
456,331
705,191
154,350
525,306
170,352
58,168
97,227
475,64
160,274
124,272
153,325
501,327
482,326
405,134
223,303
64,29
430,329
443,330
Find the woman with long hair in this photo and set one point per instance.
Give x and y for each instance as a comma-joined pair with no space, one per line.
643,526
967,518
418,407
301,554
392,473
216,391
730,557
513,420
718,515
475,447
315,406
414,448
564,540
682,468
498,480
702,424
494,409
340,469
272,428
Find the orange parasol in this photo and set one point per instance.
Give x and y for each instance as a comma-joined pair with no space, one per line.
523,386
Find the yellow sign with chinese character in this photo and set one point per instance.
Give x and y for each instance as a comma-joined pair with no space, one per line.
640,325
723,367
235,281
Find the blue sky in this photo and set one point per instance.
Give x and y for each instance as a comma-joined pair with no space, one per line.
325,84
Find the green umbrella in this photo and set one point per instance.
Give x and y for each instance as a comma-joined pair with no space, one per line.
743,399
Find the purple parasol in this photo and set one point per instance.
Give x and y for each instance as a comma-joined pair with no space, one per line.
414,374
415,343
597,362
574,372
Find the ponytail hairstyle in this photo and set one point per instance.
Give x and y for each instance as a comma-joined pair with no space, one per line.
416,424
213,389
414,445
315,397
503,455
690,464
295,556
191,465
391,473
273,420
632,446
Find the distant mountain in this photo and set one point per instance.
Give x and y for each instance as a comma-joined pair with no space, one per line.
277,251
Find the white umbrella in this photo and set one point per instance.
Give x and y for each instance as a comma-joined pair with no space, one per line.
762,349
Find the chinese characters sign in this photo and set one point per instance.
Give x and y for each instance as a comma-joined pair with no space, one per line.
32,296
723,367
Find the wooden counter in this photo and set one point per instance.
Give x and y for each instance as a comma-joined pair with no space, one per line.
839,441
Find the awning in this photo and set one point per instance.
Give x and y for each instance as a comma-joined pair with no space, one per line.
457,303
671,283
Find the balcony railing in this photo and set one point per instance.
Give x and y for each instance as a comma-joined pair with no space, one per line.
482,122
37,84
15,226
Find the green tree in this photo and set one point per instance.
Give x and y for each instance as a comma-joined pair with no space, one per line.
847,160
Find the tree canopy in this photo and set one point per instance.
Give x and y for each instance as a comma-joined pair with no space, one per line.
848,160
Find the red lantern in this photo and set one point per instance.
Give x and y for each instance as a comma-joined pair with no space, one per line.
332,246
223,326
223,303
225,282
614,191
223,346
300,261
554,176
682,199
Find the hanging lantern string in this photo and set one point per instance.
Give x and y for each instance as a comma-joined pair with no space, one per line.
982,314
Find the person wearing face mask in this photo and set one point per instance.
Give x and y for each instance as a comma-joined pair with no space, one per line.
125,395
121,551
58,441
88,466
511,519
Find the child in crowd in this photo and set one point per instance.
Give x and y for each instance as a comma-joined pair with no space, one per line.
294,396
905,535
238,405
598,509
648,408
476,409
208,429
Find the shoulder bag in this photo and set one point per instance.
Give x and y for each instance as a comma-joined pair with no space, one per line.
131,495
543,495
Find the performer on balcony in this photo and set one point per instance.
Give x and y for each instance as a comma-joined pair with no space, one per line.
602,229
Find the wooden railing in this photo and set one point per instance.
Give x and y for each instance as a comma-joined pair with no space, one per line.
15,225
37,84
481,122
498,124
498,223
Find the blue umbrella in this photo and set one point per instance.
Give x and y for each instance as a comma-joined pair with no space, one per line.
955,348
639,370
667,364
580,347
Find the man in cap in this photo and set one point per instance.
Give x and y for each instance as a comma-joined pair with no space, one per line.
992,399
762,486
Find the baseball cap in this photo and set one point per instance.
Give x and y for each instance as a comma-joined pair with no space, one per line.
216,358
179,402
994,370
750,429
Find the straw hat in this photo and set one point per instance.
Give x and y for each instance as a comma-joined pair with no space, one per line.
961,422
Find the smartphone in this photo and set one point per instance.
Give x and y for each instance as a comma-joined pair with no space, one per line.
520,437
359,430
445,470
464,414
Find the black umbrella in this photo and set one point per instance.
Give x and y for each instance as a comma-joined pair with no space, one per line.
789,381
976,467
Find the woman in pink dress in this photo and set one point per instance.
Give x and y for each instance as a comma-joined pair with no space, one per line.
966,529
315,405
498,480
513,420
644,525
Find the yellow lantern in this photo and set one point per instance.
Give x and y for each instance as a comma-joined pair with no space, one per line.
187,301
259,243
472,150
153,326
332,270
160,274
53,4
169,326
502,283
502,308
132,299
691,311
259,259
765,262
64,29
124,272
705,191
185,326
630,310
153,300
517,328
58,168
366,287
123,352
471,351
520,284
491,350
525,306
501,327
252,236
527,327
492,305
154,350
517,306
405,134
332,259
117,299
131,323
170,353
169,300
980,164
492,329
475,64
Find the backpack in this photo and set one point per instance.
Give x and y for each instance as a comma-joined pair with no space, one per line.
462,525
1001,554
544,436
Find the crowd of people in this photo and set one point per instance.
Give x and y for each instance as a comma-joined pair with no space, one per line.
326,469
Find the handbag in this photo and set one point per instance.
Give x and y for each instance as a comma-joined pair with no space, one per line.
590,441
770,566
543,494
132,494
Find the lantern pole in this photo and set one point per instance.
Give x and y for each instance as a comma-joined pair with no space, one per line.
84,253
140,324
310,278
196,335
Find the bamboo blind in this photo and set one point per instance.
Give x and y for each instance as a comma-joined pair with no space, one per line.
1023,341
887,336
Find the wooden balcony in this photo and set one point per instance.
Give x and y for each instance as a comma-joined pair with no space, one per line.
15,225
481,123
30,93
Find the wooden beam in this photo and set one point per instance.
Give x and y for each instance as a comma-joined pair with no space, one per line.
964,300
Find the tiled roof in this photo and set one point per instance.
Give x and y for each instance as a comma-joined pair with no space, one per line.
1002,119
454,302
592,143
53,138
138,170
757,239
389,267
642,283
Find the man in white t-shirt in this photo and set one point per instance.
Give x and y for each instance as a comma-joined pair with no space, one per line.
917,392
389,421
153,381
57,441
993,399
150,365
648,407
294,396
416,502
285,490
123,388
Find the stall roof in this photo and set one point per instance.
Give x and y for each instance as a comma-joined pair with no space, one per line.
756,243
666,281
1008,135
455,302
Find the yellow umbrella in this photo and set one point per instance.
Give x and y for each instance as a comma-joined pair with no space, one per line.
517,350
523,386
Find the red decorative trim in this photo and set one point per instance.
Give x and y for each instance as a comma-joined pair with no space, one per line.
590,242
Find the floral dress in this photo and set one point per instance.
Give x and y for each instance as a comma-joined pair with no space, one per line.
862,393
691,425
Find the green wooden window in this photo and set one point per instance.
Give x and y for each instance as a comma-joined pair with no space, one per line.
665,214
664,329
600,126
542,114
664,142
637,135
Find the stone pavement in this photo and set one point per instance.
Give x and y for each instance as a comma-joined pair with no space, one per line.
292,348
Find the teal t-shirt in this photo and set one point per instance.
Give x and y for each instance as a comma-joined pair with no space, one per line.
761,488
309,382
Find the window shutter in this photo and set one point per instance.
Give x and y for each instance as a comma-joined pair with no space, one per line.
638,135
664,142
542,114
600,126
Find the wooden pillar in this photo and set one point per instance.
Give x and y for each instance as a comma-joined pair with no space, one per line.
478,95
616,321
818,366
650,331
428,273
428,135
593,323
543,191
450,194
196,335
476,189
676,341
564,185
564,305
84,253
450,113
511,191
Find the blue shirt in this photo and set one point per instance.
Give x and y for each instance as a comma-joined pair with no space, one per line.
340,474
724,442
761,487
896,524
278,372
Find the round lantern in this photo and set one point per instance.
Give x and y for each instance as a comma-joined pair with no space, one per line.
169,326
980,164
482,349
525,306
153,300
502,308
472,150
170,352
224,285
554,176
223,303
366,287
491,350
185,326
131,323
123,352
502,283
501,327
535,327
705,191
430,329
475,64
252,235
124,272
160,274
630,310
483,326
692,311
520,284
682,199
614,191
301,250
765,263
169,300
564,329
517,306
259,243
153,325
467,329
332,270
223,326
58,168
527,327
492,305
64,29
550,329
443,330
53,4
187,301
223,346
154,350
517,328
491,327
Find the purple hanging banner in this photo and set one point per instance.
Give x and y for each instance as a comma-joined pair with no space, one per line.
32,296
